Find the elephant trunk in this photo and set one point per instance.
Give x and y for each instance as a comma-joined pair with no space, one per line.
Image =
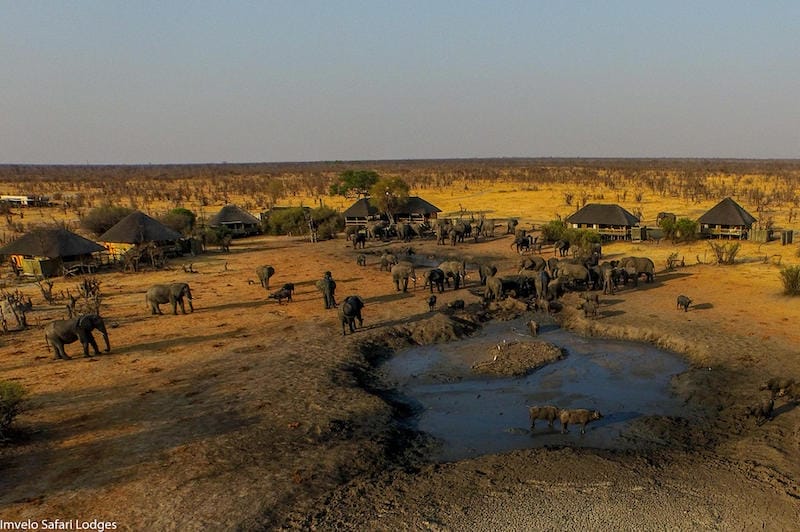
189,299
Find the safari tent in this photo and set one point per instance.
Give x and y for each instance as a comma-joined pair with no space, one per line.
416,210
361,212
137,229
726,219
51,252
610,220
237,220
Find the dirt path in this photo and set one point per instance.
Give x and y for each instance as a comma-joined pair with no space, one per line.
252,414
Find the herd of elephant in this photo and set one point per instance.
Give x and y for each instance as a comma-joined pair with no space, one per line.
544,279
445,231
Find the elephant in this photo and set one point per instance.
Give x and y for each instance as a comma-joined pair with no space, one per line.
485,271
518,285
442,231
467,230
406,232
327,286
173,294
541,281
494,289
552,266
60,332
684,302
431,303
573,273
351,230
456,233
403,271
349,311
561,247
511,226
607,272
264,273
376,230
455,270
555,289
534,262
359,240
524,243
479,227
387,261
421,229
639,266
435,277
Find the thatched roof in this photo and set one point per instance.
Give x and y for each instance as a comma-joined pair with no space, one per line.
52,243
136,228
362,208
231,214
727,212
417,205
603,214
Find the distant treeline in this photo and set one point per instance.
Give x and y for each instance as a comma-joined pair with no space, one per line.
520,167
765,183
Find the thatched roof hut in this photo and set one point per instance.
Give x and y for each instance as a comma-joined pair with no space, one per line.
49,252
138,228
726,219
610,220
415,209
360,212
237,220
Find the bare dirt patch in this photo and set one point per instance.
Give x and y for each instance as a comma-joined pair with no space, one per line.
518,358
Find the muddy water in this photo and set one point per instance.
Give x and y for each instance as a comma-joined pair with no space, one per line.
473,414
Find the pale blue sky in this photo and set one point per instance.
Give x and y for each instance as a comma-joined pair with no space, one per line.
173,81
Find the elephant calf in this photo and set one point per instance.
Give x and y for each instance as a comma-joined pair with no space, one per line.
280,295
60,332
432,303
589,309
349,311
684,302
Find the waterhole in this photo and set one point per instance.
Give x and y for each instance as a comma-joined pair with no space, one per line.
472,414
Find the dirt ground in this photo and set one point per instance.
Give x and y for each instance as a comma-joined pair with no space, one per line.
247,414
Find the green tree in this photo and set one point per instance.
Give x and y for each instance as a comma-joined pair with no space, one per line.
686,229
680,230
101,219
358,181
553,230
389,194
180,219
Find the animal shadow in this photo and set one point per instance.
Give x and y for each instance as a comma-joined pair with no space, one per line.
610,313
702,306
